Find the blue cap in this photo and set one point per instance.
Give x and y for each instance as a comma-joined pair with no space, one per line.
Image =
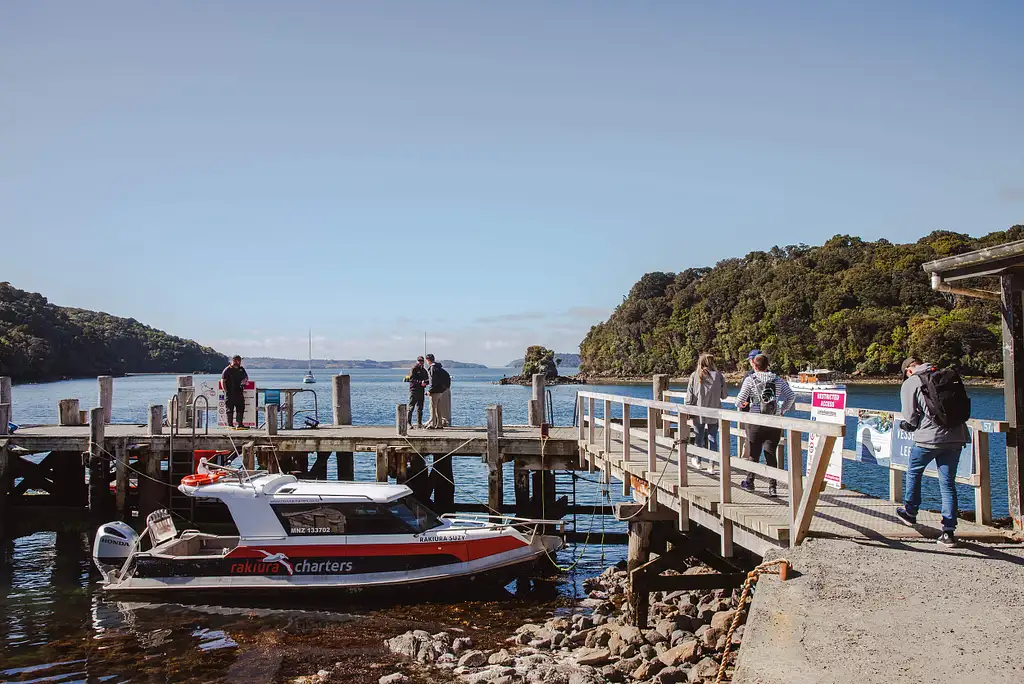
752,354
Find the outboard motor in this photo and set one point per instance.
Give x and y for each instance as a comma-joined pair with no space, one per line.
113,544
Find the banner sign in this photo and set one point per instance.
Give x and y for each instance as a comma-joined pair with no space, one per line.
881,441
828,406
249,395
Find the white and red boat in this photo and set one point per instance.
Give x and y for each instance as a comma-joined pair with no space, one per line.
300,534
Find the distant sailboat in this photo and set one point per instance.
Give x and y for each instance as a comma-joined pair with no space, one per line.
309,378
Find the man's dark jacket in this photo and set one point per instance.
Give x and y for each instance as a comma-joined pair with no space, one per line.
417,376
440,381
233,379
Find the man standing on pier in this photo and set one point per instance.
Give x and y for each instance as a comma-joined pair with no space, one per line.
233,379
418,381
439,391
935,407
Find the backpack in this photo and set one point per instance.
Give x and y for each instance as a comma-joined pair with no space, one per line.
766,393
945,398
441,377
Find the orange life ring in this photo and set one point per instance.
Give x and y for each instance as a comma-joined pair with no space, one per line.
202,478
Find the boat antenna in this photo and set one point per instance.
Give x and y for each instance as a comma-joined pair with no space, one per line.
424,342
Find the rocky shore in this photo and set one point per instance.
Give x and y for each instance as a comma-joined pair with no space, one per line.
686,641
527,381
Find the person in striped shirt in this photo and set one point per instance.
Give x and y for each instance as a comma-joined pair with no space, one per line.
763,392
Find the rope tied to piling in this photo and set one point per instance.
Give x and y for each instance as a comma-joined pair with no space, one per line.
772,567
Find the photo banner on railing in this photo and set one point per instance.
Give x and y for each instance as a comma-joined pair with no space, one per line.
828,406
880,441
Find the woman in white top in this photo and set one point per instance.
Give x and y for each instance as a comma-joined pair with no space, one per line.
706,388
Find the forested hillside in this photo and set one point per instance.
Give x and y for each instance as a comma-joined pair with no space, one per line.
41,341
849,305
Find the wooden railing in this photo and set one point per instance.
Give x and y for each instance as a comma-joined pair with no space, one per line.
980,481
802,499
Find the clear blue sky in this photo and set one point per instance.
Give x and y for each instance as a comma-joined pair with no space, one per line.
494,174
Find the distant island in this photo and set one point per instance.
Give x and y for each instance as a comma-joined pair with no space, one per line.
563,360
268,362
40,342
856,306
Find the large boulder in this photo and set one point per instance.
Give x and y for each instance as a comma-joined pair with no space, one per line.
473,659
686,652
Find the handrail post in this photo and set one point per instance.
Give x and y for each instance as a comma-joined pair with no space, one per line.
607,428
795,469
591,434
627,485
983,491
579,414
653,415
813,490
682,478
725,483
895,485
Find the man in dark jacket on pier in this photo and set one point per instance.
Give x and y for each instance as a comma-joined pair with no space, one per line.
418,381
439,391
943,443
234,378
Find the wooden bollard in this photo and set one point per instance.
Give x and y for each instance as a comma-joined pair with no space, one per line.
288,404
5,395
5,417
784,569
341,401
155,424
99,465
271,419
537,396
382,463
68,412
105,384
402,419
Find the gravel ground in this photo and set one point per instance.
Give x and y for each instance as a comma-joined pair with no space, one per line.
872,611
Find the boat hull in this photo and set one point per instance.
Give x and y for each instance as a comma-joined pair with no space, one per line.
249,574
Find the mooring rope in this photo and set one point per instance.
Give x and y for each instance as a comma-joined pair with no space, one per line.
751,580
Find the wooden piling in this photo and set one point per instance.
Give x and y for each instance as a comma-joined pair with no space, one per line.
121,478
249,457
521,478
105,384
402,419
983,492
155,424
186,392
288,407
382,463
99,466
341,404
68,412
495,484
5,417
152,490
539,397
637,554
271,417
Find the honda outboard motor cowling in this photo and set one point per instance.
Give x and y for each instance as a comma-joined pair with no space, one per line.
113,544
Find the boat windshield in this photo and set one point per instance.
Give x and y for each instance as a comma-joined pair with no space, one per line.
414,514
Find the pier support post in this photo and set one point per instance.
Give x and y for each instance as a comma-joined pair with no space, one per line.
1013,394
5,416
537,400
495,483
68,412
121,478
638,553
382,463
5,395
105,384
341,402
271,414
155,424
99,465
6,458
402,419
151,488
522,490
660,382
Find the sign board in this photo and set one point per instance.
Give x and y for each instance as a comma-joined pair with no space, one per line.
881,441
248,414
271,396
828,406
209,389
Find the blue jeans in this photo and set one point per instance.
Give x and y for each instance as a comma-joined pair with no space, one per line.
707,435
946,459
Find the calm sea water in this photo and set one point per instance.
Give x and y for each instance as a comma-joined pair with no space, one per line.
57,627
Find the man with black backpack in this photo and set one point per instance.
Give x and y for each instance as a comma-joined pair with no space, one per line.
439,391
766,393
935,408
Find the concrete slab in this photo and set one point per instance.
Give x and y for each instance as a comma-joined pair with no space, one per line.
888,611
